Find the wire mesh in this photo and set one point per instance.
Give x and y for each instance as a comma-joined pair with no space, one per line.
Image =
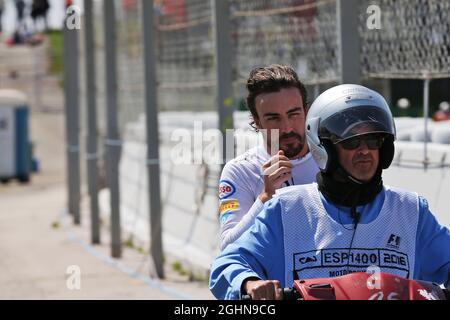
413,41
300,33
184,54
130,61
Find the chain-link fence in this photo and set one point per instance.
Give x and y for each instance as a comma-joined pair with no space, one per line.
130,62
300,33
185,55
413,42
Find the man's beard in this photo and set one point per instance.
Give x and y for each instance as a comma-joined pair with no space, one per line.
292,149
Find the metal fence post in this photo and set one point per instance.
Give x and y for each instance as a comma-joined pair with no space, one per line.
92,152
151,109
72,120
426,103
224,73
348,41
113,143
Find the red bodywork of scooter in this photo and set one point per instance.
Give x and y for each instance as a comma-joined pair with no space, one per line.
364,286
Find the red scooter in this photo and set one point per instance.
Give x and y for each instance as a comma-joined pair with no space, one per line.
364,286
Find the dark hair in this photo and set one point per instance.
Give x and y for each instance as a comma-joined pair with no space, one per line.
272,78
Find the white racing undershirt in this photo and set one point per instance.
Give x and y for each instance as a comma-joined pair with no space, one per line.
242,182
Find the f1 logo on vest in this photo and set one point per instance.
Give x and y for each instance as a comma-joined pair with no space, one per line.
393,241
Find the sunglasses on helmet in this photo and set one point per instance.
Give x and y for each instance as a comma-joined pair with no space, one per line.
373,142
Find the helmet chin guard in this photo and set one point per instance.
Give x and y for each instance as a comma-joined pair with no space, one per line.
343,112
316,147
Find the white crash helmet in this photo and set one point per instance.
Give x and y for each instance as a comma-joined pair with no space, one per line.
337,112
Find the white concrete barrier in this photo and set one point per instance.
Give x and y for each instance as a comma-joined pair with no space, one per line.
432,182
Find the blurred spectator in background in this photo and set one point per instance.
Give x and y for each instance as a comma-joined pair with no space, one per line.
443,113
39,11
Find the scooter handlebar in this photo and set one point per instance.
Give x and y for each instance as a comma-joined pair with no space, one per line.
292,294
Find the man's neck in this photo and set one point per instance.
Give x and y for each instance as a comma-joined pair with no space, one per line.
302,153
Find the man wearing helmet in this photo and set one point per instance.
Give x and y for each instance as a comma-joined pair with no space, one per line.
277,102
347,221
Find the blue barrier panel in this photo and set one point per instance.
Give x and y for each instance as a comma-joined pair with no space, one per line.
23,157
7,143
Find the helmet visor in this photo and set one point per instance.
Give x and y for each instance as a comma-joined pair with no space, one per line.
356,121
